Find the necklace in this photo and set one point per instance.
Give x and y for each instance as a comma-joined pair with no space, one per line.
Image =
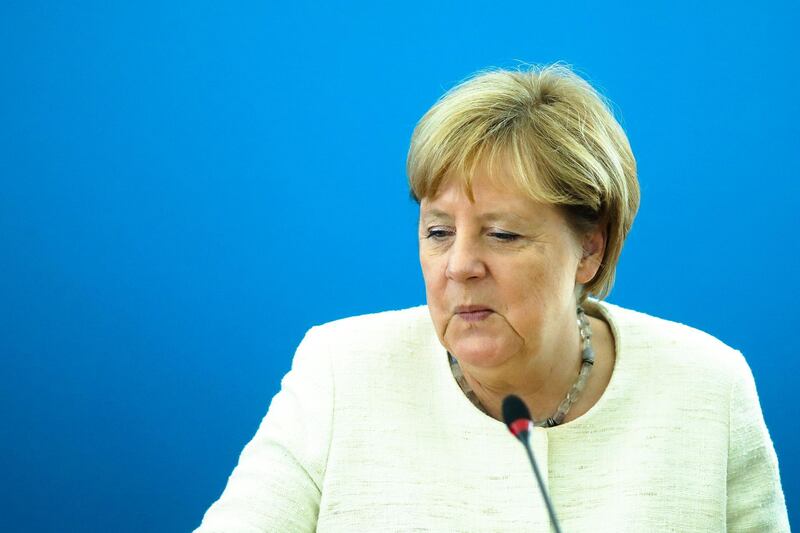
587,358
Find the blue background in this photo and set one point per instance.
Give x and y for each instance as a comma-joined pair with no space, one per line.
188,187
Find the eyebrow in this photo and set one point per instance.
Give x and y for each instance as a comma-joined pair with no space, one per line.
486,217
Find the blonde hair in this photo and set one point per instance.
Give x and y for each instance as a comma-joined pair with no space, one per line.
558,137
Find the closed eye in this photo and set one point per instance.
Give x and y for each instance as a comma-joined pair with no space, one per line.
504,236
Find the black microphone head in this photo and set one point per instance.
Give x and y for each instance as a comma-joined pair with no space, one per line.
514,409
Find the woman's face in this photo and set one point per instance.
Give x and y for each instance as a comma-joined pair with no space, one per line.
500,272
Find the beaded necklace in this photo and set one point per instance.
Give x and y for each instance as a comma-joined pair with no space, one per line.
587,357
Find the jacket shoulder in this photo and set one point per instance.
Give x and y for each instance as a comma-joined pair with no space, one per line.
675,343
378,332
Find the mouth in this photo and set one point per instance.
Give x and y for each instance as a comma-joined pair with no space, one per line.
473,313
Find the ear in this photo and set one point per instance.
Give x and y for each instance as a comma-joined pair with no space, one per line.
593,250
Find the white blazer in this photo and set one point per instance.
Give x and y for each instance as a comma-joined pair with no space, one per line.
370,432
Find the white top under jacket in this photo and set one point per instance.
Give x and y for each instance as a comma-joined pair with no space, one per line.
371,432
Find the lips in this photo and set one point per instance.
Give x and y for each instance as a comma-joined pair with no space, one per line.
473,313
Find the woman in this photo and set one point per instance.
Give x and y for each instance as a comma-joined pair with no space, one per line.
390,422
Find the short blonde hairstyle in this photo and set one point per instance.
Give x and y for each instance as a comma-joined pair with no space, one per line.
558,136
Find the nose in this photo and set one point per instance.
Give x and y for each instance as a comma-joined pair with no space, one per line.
464,261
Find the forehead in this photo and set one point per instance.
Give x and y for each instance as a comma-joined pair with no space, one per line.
487,201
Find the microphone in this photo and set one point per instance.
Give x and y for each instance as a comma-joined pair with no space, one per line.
518,419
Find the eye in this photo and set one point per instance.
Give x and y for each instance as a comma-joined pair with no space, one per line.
438,233
504,236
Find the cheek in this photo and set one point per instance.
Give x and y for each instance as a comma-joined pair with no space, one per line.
534,291
526,283
432,274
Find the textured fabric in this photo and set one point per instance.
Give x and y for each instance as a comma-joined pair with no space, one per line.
370,432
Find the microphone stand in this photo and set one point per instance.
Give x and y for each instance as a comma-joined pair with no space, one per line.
526,442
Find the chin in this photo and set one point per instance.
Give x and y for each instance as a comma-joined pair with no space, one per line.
485,353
